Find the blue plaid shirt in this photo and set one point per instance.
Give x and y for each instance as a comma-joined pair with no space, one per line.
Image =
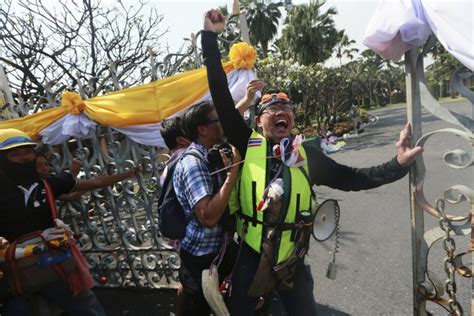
192,183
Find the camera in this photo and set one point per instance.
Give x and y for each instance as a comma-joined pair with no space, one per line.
214,155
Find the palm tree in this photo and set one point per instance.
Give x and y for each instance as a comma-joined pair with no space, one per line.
263,18
440,71
310,35
343,47
373,64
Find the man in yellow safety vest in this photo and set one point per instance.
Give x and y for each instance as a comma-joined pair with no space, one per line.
272,230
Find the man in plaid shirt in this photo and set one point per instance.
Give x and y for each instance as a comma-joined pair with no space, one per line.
206,198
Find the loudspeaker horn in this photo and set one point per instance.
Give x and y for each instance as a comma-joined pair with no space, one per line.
325,220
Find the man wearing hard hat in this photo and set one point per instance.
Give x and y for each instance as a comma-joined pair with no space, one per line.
24,208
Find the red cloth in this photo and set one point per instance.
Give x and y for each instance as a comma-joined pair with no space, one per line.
81,279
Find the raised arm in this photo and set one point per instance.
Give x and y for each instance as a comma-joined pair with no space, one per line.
75,167
235,129
103,181
250,90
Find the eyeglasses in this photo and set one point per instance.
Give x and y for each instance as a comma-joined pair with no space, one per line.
273,108
275,97
272,98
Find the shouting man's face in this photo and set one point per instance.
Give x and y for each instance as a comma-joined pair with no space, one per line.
276,121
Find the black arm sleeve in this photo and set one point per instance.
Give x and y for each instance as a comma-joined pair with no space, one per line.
63,183
325,171
235,129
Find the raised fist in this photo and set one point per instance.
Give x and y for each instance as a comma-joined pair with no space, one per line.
214,21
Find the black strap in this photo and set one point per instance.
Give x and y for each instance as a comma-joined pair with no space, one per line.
168,182
197,154
172,167
282,226
254,203
192,152
249,219
303,170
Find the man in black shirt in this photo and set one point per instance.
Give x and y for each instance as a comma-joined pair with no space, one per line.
24,208
275,119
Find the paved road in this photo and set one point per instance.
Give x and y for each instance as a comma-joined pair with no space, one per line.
375,273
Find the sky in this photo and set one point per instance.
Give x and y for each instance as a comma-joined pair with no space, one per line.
182,18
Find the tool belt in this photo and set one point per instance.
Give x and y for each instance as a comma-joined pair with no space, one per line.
270,276
38,259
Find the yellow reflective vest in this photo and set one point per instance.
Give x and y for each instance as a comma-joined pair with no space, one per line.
254,178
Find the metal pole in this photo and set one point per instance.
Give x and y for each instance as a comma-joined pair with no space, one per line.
244,31
244,28
412,57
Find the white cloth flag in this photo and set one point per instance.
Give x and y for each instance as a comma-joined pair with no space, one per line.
399,25
452,23
68,126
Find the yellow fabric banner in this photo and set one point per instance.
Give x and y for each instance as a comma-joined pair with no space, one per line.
145,104
34,123
151,102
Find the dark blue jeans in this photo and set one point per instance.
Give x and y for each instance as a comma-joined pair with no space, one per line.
58,293
297,301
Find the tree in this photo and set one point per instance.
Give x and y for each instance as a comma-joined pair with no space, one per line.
299,81
392,77
263,18
439,73
42,44
310,35
320,94
376,81
369,76
343,48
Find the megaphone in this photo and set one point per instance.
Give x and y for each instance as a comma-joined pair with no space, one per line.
325,220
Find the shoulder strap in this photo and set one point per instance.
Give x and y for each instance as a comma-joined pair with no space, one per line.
192,152
197,154
167,182
169,176
51,200
303,170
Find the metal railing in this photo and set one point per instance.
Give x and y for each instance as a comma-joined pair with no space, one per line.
428,285
117,227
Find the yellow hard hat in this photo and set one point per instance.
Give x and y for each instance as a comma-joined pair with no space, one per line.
11,138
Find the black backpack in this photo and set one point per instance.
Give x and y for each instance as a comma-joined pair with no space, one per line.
172,221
